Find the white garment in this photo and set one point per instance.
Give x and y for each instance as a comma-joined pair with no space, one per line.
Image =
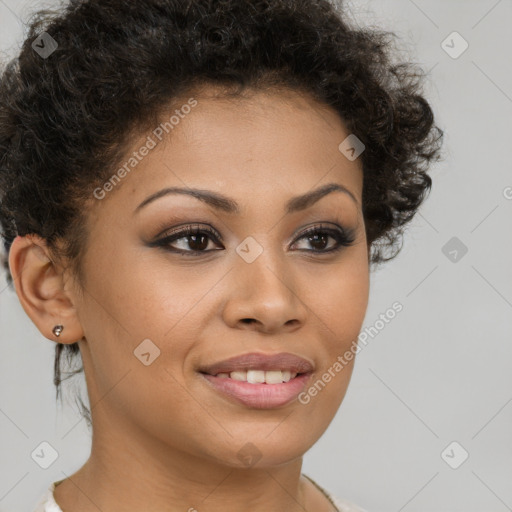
341,505
47,502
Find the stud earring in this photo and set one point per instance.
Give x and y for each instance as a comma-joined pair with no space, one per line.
57,330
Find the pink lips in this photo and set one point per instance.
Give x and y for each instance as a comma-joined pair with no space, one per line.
260,396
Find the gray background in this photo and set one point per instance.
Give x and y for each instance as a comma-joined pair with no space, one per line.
439,372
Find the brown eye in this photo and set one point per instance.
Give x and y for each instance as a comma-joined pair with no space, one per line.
318,237
196,240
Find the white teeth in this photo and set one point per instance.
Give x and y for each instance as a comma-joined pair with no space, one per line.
275,377
255,376
260,376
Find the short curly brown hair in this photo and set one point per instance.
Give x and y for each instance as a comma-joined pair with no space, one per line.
66,118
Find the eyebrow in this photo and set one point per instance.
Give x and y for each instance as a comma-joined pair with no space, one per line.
225,204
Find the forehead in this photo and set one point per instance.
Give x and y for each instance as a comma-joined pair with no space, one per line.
260,142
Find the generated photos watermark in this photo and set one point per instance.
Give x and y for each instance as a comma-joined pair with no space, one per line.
342,361
156,136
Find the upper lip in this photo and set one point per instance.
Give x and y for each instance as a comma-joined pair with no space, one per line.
259,361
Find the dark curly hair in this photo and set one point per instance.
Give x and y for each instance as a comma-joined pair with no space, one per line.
67,118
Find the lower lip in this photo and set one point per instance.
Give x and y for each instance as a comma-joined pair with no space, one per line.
259,396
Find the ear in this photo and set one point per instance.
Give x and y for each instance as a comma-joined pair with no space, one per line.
39,284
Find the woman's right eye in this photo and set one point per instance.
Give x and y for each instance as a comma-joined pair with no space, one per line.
198,239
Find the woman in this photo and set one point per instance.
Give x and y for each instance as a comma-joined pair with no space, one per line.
192,196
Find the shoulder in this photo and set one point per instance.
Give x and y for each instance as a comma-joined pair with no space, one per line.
341,505
47,502
346,506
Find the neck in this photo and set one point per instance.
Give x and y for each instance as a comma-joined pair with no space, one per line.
124,475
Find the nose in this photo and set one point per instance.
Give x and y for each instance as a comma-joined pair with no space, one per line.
264,296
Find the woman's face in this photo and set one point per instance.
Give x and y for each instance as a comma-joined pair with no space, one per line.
154,317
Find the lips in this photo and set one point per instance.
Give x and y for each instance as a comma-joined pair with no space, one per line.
283,361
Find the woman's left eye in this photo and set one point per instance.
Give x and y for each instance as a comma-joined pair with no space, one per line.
198,240
320,235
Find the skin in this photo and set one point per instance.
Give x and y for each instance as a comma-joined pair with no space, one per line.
161,435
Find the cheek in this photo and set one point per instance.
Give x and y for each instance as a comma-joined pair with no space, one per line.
338,297
340,304
134,308
150,296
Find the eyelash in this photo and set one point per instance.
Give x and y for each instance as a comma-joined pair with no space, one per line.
344,238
